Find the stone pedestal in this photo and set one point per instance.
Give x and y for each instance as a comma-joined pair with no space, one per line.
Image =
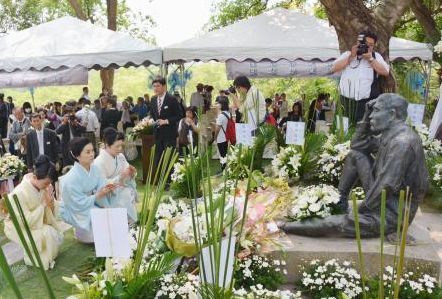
426,254
148,141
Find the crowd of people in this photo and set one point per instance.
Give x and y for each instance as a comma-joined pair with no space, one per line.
67,135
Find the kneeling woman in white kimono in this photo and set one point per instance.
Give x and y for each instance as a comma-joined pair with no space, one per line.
82,189
35,194
115,168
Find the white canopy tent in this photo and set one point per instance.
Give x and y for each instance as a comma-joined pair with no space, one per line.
274,35
68,44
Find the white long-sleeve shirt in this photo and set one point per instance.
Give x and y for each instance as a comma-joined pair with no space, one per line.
89,119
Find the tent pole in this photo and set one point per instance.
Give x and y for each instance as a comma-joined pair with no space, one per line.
183,88
31,91
427,83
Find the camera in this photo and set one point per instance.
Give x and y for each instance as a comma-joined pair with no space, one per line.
72,118
362,45
232,89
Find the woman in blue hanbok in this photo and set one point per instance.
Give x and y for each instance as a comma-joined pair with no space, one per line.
82,189
115,168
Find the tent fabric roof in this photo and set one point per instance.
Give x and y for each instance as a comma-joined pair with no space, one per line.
70,42
274,35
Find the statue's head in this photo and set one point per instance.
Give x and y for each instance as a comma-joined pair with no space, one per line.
387,109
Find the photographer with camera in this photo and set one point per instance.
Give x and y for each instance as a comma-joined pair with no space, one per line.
69,128
360,71
250,101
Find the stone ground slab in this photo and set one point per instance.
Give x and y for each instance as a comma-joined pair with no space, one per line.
426,254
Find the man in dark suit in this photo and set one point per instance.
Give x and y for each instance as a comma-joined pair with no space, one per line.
316,112
4,114
41,141
166,114
111,116
69,128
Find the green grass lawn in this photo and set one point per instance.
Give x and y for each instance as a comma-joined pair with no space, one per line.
72,255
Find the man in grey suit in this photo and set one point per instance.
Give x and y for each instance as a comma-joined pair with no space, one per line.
41,141
20,127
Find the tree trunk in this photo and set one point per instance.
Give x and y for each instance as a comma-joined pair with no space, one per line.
107,75
76,6
426,20
349,17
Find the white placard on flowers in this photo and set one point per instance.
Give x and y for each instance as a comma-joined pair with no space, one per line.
208,263
416,113
437,116
344,122
111,232
244,134
295,133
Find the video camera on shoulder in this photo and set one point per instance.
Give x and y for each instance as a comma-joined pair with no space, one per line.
362,45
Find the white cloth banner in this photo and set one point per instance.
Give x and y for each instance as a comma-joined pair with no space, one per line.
345,122
295,133
111,232
437,116
63,76
244,134
282,68
416,113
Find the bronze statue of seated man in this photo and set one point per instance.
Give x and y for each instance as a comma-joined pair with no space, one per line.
385,154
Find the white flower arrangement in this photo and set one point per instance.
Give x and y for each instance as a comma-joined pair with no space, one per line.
437,177
412,284
168,210
179,171
238,162
314,201
183,229
178,286
340,278
145,126
287,162
11,166
438,47
432,147
259,291
332,159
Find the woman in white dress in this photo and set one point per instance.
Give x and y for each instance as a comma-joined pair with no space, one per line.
115,168
36,197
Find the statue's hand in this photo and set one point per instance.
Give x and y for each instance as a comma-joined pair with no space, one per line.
368,111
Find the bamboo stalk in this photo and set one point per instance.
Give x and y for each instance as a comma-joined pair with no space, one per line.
382,236
358,240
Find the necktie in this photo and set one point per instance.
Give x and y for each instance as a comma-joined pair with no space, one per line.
160,103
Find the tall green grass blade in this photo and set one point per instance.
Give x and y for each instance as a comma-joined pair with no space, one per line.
8,274
398,232
403,244
34,248
382,236
358,240
151,200
13,217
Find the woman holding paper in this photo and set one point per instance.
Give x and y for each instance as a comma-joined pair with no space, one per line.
35,194
116,170
82,189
